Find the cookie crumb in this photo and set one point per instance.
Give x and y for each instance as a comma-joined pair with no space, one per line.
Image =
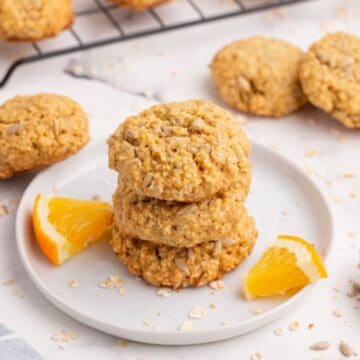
117,281
310,326
216,285
147,322
279,332
311,153
229,322
73,283
256,356
164,292
213,306
186,326
9,282
4,210
17,292
198,312
337,313
348,175
63,336
353,194
256,310
123,343
122,291
111,282
294,325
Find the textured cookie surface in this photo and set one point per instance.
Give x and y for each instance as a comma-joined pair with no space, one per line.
330,77
178,224
39,130
181,267
138,4
33,20
185,151
259,76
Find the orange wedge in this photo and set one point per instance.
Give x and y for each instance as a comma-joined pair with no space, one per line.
64,226
285,267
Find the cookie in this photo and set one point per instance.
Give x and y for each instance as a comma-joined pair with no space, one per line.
138,4
163,265
330,77
259,76
185,151
26,20
178,224
39,130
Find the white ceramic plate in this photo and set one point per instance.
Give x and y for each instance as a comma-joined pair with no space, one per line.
283,200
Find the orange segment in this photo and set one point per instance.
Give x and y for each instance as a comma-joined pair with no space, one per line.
286,266
64,226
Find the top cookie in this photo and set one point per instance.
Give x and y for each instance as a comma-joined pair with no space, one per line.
185,151
259,76
138,4
330,77
39,130
33,20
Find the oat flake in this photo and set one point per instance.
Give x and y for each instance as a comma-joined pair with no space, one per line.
216,285
198,312
186,326
165,292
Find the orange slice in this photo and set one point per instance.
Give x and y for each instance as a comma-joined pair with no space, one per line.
285,267
64,226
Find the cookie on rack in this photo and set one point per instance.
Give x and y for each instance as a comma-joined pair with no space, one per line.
259,76
138,4
184,151
163,265
330,77
179,224
24,20
38,130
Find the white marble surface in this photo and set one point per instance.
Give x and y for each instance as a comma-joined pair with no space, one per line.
174,65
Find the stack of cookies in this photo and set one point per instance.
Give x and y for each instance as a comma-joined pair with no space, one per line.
184,174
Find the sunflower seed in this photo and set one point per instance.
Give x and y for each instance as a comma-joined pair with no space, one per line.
243,83
181,265
228,241
130,135
14,128
198,124
190,254
320,345
148,179
217,248
346,349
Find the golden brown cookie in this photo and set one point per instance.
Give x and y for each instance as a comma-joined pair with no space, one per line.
185,151
39,130
259,75
330,77
138,4
178,224
34,20
163,265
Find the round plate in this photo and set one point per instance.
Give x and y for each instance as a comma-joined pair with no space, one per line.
283,200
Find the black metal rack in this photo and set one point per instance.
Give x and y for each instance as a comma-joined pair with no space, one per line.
240,7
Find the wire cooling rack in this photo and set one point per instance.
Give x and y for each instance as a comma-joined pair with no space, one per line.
99,23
